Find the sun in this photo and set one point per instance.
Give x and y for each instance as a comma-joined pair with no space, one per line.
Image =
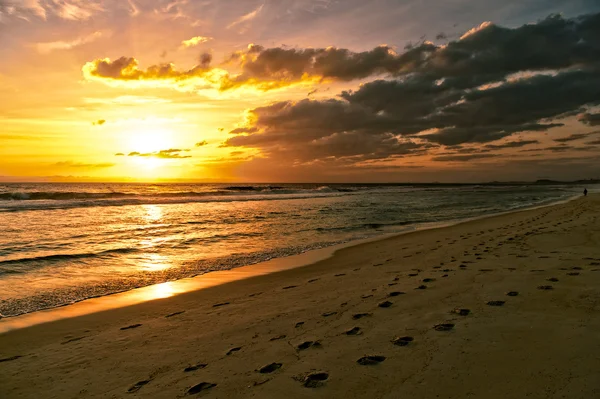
145,139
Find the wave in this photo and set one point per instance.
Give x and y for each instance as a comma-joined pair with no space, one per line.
62,257
225,191
23,201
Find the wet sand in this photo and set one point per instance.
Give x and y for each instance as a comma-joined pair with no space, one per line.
503,307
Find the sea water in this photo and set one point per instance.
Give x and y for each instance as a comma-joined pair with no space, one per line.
63,243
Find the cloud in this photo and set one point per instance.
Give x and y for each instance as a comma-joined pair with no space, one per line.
462,158
437,95
99,122
172,153
511,144
119,154
194,41
489,55
127,100
201,143
73,10
590,119
575,136
246,17
80,165
47,47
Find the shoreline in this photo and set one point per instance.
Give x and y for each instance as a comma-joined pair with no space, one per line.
184,285
443,312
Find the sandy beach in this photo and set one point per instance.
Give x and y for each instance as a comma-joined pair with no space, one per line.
503,307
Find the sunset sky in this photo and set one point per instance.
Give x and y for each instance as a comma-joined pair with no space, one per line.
299,90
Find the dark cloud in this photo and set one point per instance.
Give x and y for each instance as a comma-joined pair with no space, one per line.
99,122
119,154
171,153
462,158
439,95
201,143
573,137
81,165
485,54
590,119
511,144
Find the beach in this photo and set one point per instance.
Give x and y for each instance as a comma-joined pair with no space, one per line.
501,307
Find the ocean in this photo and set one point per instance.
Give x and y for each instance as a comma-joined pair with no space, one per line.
62,243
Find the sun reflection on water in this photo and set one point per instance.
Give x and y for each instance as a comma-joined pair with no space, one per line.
153,213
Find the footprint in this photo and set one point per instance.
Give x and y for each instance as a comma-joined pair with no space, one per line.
315,380
203,386
366,296
413,274
370,360
131,326
289,287
402,341
329,314
278,337
512,293
9,359
385,304
194,367
443,327
313,280
553,279
339,275
360,315
395,293
545,287
269,368
496,303
421,287
233,350
216,305
354,331
573,274
462,312
299,324
72,340
175,314
308,344
137,386
428,280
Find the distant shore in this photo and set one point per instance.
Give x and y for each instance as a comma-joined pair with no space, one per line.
375,320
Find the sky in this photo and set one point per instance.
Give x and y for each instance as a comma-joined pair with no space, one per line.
299,90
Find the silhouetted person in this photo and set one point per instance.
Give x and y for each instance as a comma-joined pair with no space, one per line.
585,192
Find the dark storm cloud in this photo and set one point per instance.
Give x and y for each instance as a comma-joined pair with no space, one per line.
486,54
201,143
171,153
490,84
590,119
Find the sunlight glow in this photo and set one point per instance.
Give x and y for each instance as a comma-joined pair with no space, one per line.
150,138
